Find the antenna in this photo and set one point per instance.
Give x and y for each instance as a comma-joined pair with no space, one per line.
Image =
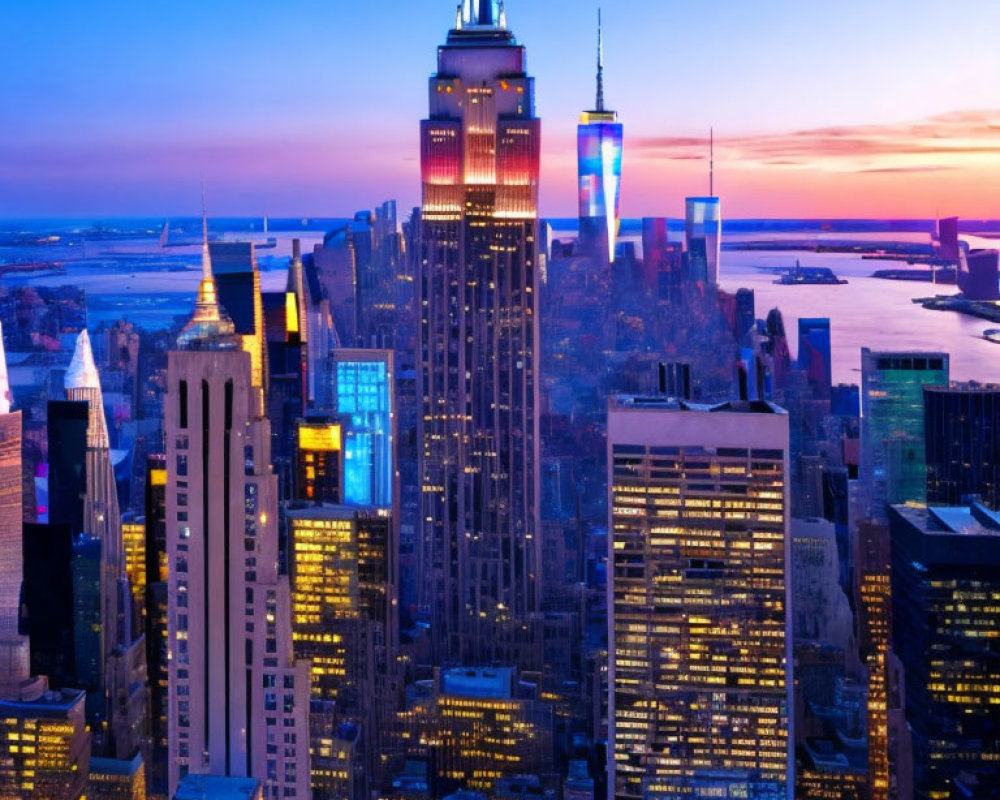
711,162
600,62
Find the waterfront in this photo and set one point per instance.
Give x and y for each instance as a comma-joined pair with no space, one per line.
135,279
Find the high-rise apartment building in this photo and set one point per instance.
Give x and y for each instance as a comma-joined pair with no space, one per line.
478,368
599,140
946,633
893,455
238,702
962,433
699,637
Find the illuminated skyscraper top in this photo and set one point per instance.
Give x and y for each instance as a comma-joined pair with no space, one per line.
600,147
210,325
478,375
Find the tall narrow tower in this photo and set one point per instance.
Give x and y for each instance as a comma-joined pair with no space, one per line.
479,331
234,688
600,148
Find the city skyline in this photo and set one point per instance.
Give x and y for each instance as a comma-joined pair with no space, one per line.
859,122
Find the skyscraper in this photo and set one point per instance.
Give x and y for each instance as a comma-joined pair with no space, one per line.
478,370
946,633
815,355
699,641
962,427
893,455
703,226
14,657
235,692
599,150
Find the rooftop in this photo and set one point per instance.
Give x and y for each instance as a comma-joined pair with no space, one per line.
212,787
664,403
492,683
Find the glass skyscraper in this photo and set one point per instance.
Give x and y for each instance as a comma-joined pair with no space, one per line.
599,149
893,466
477,370
362,386
703,227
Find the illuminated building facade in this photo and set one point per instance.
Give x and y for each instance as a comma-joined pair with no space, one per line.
874,620
700,648
134,543
703,226
45,744
962,433
600,146
116,780
946,633
238,701
343,621
893,465
478,728
318,455
361,382
478,367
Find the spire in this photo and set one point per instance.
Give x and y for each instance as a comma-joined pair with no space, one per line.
600,64
5,398
210,320
711,162
82,372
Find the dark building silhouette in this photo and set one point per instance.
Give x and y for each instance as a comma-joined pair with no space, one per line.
67,432
962,424
48,601
946,633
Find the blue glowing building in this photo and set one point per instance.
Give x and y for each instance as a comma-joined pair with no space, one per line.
815,355
599,147
361,382
703,227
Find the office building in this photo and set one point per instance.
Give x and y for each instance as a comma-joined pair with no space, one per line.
962,432
946,633
874,614
111,779
699,633
478,369
979,274
478,727
703,227
662,260
318,456
360,383
893,454
343,610
45,744
238,702
599,151
816,355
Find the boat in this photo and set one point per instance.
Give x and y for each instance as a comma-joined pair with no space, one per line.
809,276
992,335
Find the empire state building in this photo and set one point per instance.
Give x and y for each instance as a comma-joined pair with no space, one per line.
479,432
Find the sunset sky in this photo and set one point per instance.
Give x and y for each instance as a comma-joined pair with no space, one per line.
311,107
